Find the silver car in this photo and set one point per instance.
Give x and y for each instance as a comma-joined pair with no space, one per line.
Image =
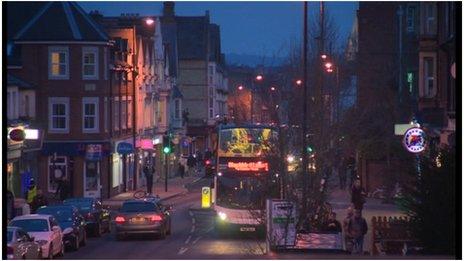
21,246
143,217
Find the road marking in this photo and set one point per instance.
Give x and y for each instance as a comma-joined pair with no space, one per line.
182,250
196,240
188,239
193,229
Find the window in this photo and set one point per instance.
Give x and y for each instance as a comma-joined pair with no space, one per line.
58,63
410,22
129,113
116,113
429,21
58,114
105,63
12,103
106,113
410,81
428,83
90,114
124,113
177,109
90,63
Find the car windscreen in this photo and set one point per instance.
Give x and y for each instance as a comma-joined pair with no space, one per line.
31,225
139,207
61,214
9,236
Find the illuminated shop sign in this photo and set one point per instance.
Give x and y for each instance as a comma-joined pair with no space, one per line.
248,166
414,140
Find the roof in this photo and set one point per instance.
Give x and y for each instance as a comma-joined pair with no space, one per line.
61,21
32,216
191,37
15,81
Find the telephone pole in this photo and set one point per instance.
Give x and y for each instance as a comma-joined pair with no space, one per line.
305,108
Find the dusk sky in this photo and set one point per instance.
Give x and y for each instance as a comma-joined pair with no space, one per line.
256,28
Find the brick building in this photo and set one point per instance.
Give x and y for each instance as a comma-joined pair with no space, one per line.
67,64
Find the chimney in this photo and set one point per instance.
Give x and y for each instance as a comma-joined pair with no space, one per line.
168,9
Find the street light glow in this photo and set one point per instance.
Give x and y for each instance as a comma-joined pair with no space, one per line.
259,77
273,88
324,56
240,87
328,65
290,158
299,82
330,70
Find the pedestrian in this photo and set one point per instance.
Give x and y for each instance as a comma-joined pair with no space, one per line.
181,170
332,225
357,228
31,191
358,195
348,239
199,161
149,171
38,201
208,154
191,162
63,189
342,178
10,210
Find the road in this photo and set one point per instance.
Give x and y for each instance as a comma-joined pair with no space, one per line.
192,237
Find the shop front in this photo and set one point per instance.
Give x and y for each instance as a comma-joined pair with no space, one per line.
122,166
81,164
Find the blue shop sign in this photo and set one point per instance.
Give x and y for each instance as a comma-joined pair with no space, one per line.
125,148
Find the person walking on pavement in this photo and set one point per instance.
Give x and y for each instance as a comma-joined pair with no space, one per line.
149,171
357,228
31,192
63,189
333,225
208,154
348,239
181,169
191,164
358,195
342,175
38,201
10,205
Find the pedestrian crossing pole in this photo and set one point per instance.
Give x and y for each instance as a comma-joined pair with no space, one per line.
166,166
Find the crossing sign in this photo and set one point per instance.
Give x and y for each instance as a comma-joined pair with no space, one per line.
205,197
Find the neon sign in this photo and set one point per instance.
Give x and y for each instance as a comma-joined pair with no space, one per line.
249,166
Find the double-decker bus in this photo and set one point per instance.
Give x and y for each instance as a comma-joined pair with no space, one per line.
246,175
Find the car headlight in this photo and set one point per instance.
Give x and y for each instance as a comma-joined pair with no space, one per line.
42,242
222,216
67,230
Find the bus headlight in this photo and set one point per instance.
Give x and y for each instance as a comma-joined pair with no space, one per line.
222,216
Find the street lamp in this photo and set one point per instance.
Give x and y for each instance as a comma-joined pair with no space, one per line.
149,21
299,82
259,77
240,87
324,57
273,88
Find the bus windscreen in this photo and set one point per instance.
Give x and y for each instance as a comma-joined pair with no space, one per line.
246,142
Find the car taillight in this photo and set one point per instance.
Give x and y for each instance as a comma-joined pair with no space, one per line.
120,220
156,218
208,162
9,251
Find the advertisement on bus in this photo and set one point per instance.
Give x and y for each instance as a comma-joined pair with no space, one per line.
246,142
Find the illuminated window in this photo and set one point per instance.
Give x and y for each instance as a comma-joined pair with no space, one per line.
58,62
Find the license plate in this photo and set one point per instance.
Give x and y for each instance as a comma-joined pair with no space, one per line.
138,220
247,229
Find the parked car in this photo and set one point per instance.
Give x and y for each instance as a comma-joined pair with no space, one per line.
21,246
45,230
97,218
72,224
147,216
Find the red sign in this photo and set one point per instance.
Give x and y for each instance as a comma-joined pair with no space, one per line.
17,135
248,166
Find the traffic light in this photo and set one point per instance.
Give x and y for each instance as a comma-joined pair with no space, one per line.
166,145
309,149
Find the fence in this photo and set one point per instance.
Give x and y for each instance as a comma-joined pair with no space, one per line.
391,236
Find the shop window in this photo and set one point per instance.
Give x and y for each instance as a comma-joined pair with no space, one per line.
57,169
